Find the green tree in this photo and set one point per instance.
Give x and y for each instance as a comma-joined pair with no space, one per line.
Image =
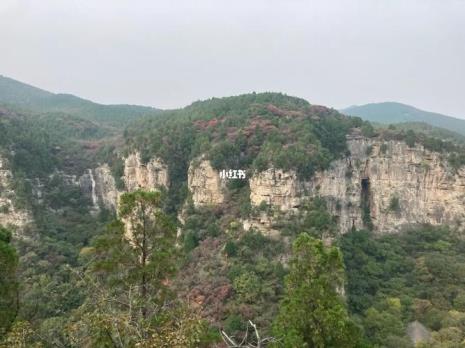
8,282
129,302
410,138
312,313
140,249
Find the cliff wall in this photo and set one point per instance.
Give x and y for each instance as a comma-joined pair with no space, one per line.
10,215
100,185
396,184
383,185
205,184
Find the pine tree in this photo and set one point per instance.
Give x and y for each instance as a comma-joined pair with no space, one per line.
138,252
313,313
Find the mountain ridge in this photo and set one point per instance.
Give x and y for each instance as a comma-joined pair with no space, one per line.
30,99
394,112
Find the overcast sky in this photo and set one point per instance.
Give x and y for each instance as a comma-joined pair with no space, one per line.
169,53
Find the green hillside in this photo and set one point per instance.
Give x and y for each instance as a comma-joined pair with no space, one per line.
391,112
232,274
29,99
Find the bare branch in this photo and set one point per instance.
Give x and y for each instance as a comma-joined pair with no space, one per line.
257,342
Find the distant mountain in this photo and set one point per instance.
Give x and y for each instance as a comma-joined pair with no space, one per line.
391,112
26,98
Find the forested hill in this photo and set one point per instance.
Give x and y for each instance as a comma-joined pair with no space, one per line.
221,258
250,130
29,99
259,130
391,112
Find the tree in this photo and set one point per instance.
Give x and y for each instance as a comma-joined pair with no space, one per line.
312,312
410,138
129,302
8,283
139,251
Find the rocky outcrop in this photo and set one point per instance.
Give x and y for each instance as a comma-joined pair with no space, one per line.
262,223
10,216
384,185
105,187
277,188
393,185
205,184
150,176
100,185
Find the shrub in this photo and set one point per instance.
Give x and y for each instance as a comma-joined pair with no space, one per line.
230,249
190,241
234,323
410,138
394,204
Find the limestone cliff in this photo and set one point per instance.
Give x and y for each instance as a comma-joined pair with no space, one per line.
275,187
100,185
205,184
383,183
397,184
148,176
10,215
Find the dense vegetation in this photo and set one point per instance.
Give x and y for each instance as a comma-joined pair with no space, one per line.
44,152
81,284
248,131
8,283
396,279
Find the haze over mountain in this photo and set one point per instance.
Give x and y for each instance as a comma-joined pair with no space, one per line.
392,112
19,95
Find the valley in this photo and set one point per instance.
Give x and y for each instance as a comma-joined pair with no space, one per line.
375,214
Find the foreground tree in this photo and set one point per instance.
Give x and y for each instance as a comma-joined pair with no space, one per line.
8,283
137,253
313,313
129,303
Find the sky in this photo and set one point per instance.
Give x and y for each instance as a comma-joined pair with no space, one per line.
170,53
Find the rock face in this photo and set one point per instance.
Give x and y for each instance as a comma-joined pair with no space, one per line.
151,176
263,223
397,185
205,184
100,185
276,188
383,183
10,216
105,187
